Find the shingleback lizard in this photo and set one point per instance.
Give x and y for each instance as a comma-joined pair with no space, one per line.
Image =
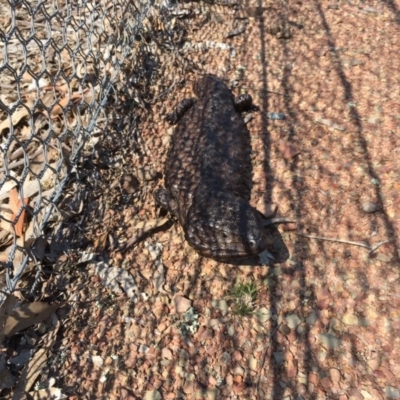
207,174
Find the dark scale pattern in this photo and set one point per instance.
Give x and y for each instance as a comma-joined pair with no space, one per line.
208,174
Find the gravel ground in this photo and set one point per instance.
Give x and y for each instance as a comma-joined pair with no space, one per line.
324,322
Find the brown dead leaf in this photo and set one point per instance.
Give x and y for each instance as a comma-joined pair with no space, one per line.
100,242
143,227
36,247
15,204
35,365
36,163
45,394
322,293
25,132
288,150
64,87
116,279
7,186
4,256
326,383
6,213
15,119
5,237
330,124
5,310
19,257
182,304
60,106
292,369
27,77
7,379
27,315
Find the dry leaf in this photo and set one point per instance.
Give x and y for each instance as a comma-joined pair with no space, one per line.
6,309
4,256
36,247
36,163
7,379
159,277
7,214
27,315
60,105
182,304
288,150
100,242
116,278
5,237
7,186
15,204
45,394
144,227
15,119
27,77
330,124
34,367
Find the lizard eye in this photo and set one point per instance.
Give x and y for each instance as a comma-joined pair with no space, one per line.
252,243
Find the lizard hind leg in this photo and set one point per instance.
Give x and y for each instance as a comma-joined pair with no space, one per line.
175,116
165,200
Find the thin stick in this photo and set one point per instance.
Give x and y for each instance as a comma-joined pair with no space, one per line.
334,240
375,246
371,249
278,220
264,358
22,162
281,94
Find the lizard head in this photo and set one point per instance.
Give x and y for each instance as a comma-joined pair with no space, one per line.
224,226
209,84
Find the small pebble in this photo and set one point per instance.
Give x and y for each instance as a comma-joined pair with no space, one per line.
293,320
152,395
312,318
222,305
350,319
329,341
369,207
253,363
129,183
279,357
301,329
263,315
392,392
276,116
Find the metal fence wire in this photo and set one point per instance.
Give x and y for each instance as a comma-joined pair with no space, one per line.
59,63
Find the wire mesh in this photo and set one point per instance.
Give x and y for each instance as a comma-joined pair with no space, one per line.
59,63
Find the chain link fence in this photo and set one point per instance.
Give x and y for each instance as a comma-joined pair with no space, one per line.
61,63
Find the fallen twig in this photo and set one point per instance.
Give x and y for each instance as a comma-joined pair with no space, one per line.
278,220
370,249
280,94
264,358
141,229
22,162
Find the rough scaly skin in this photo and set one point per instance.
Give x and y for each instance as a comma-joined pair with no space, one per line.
207,174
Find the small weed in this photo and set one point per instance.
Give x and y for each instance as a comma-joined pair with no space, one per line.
244,295
190,323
